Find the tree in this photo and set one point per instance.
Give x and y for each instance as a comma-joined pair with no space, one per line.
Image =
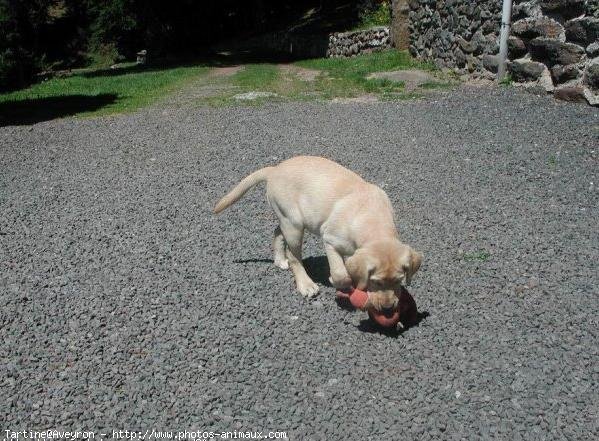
19,22
57,34
113,26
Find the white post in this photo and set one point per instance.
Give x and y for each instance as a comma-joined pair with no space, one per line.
506,22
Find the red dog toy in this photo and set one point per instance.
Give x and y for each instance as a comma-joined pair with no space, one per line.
406,312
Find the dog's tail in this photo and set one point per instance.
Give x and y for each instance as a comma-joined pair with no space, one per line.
241,188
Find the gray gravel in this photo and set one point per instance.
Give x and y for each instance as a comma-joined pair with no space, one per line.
126,305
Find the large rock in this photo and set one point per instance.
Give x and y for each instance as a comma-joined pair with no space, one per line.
592,97
490,26
591,74
459,57
538,27
593,49
545,81
524,71
577,94
573,94
467,46
565,9
491,62
552,52
563,74
516,47
526,10
414,4
480,42
473,64
583,31
492,44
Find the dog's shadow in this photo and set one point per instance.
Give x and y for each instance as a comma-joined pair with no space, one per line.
371,327
317,268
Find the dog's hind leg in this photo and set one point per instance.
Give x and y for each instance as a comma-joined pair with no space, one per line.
294,237
280,250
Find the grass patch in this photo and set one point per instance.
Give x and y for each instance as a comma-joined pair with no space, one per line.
437,85
364,64
100,92
507,80
347,77
474,256
121,91
336,78
256,77
252,78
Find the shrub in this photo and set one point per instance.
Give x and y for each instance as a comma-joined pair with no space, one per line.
15,63
375,13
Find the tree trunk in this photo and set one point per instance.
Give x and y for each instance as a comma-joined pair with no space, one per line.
400,34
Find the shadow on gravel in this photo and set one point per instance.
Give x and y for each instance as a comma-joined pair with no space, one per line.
31,111
316,267
371,327
254,260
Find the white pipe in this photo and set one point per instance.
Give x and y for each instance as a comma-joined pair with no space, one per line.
506,22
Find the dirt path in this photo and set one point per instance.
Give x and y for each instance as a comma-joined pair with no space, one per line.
207,85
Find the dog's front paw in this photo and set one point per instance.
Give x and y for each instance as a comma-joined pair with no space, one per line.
341,283
308,289
282,263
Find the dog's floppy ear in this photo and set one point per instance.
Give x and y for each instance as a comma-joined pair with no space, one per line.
415,262
360,266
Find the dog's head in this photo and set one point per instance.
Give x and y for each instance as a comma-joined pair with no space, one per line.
381,268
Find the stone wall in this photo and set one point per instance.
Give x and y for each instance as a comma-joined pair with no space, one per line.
554,44
346,44
298,45
454,33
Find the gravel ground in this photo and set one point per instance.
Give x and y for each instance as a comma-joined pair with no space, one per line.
126,305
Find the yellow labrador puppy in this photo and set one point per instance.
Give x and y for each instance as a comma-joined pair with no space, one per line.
354,218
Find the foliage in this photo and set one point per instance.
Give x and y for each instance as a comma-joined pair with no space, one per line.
376,13
20,22
113,25
507,80
256,77
62,34
40,35
480,255
11,68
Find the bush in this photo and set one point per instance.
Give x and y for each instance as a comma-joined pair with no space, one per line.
375,13
103,55
113,30
15,64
